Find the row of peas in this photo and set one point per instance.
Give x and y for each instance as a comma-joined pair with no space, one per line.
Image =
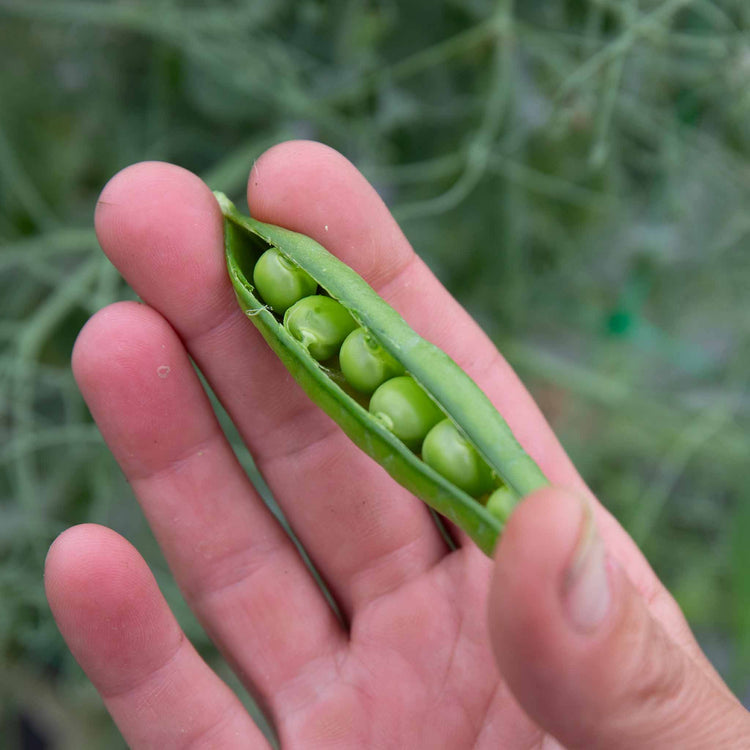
325,327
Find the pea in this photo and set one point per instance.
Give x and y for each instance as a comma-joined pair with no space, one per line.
450,454
280,282
501,503
365,363
410,406
405,409
320,323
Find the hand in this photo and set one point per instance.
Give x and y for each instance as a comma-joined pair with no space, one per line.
582,642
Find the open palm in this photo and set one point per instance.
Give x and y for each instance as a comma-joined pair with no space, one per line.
413,660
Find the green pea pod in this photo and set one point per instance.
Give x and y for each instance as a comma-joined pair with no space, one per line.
446,383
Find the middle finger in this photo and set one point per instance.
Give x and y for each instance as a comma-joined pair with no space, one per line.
162,229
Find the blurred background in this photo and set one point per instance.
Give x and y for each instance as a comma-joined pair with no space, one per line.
576,172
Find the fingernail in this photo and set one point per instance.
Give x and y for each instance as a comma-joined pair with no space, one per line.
586,591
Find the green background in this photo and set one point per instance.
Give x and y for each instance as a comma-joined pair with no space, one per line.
576,172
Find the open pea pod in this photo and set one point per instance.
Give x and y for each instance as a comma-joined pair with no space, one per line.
458,397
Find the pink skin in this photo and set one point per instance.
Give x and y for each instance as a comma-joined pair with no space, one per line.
412,665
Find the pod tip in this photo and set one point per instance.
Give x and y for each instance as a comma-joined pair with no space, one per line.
224,203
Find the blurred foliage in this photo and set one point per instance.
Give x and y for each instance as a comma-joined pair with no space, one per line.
576,172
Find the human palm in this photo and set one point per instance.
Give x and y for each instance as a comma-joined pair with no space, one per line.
414,656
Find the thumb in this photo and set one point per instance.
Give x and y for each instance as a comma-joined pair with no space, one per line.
580,650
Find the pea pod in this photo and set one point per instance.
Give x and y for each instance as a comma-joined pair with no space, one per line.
449,387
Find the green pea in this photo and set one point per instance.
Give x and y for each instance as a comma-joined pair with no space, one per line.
320,323
365,363
410,407
501,503
450,454
281,282
405,409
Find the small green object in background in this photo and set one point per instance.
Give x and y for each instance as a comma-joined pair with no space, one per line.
405,406
620,323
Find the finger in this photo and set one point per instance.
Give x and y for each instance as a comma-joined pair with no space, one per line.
237,568
312,189
580,649
161,227
118,626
